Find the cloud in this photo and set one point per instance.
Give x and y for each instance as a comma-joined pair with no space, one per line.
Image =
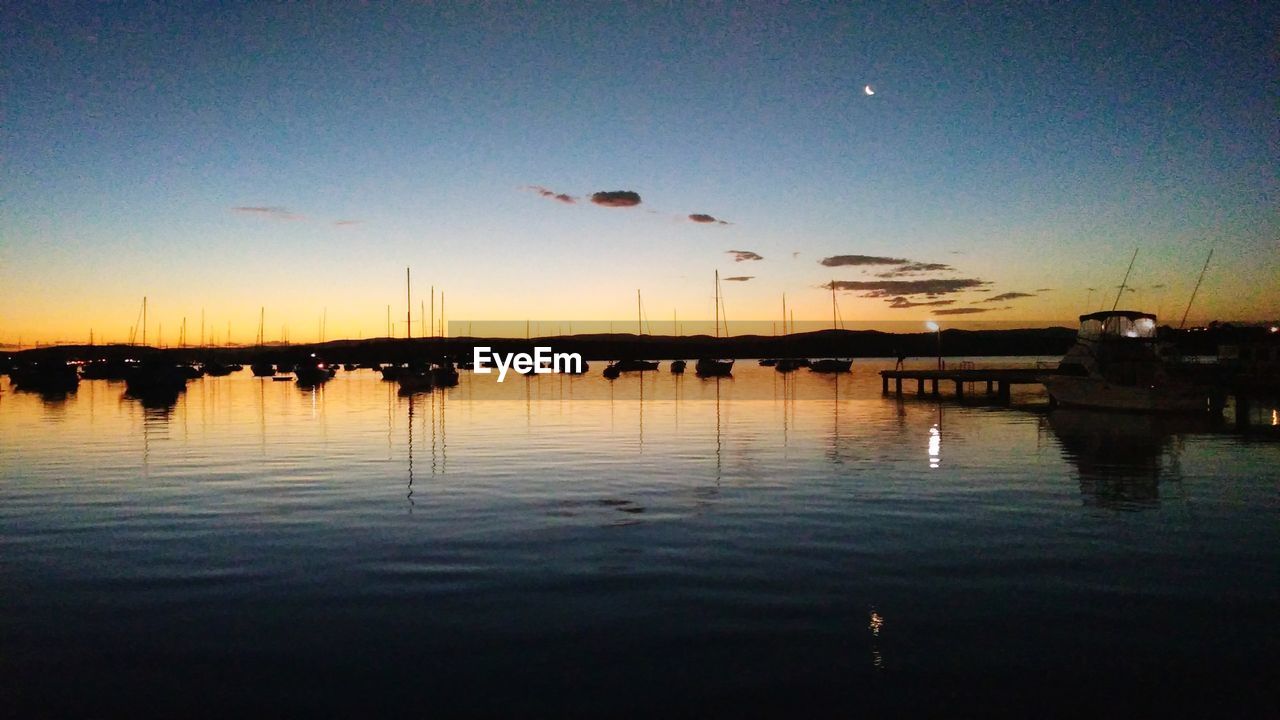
739,278
741,255
1158,287
276,213
795,255
964,311
914,268
553,195
901,302
890,288
341,223
616,198
1006,296
707,219
842,260
1044,289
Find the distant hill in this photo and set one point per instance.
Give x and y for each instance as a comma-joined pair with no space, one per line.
824,343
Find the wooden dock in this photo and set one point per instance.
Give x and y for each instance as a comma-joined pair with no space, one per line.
998,381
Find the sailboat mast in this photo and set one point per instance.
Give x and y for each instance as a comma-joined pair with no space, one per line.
833,303
262,318
408,308
144,320
724,318
716,295
639,322
784,314
1124,282
433,311
1196,290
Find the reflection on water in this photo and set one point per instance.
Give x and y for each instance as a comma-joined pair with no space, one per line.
765,537
1122,458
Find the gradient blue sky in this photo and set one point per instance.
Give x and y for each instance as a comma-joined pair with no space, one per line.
1030,148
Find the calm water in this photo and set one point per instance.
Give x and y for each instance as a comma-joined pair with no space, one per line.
561,543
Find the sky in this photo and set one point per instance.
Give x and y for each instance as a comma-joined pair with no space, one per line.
298,157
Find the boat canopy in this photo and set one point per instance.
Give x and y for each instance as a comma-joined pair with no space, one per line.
1118,323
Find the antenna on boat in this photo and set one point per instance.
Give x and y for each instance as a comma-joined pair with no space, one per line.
1124,282
1196,290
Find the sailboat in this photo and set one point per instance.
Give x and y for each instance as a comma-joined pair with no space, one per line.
832,365
632,365
710,367
787,364
261,368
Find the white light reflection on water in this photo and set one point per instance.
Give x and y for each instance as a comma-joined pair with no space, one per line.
935,447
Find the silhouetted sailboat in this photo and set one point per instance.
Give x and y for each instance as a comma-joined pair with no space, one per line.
630,364
788,364
832,365
710,367
261,368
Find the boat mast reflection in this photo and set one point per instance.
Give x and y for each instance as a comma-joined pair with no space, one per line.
409,495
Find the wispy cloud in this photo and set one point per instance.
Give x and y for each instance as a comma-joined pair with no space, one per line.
707,219
843,260
341,223
964,311
890,288
915,268
742,255
553,195
739,278
900,302
1006,296
273,212
616,198
1044,290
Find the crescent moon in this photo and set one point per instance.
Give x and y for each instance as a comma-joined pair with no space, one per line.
868,90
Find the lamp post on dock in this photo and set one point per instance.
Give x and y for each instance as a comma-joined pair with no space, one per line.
938,331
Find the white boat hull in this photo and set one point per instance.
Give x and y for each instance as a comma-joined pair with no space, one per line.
1090,392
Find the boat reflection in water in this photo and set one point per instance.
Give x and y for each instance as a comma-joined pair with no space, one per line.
1121,457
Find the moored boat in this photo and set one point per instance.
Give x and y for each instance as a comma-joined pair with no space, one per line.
707,367
156,378
830,365
635,365
46,377
312,371
411,380
1118,363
